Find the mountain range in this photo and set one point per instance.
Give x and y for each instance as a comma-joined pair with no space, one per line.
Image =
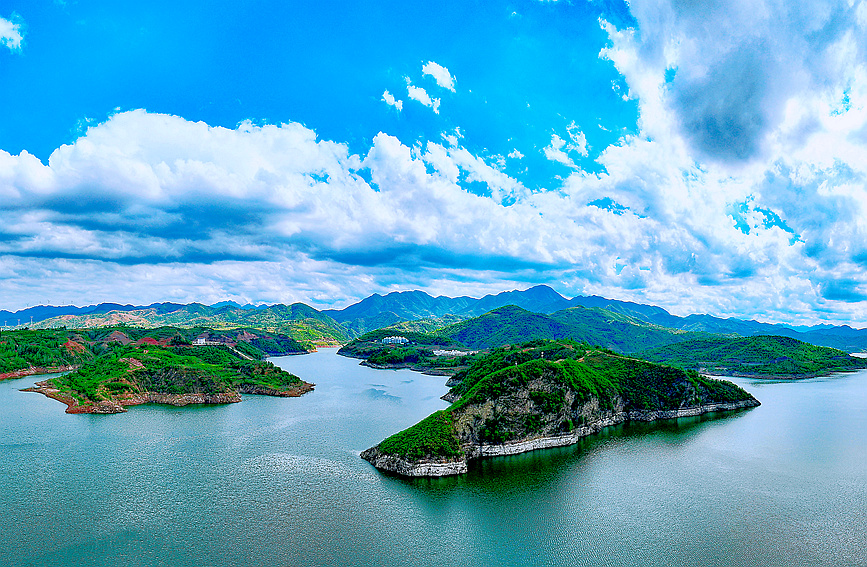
377,311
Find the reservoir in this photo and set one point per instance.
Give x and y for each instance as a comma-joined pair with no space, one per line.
278,481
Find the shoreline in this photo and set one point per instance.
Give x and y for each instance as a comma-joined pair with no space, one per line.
36,370
119,405
407,366
787,377
447,467
73,406
435,371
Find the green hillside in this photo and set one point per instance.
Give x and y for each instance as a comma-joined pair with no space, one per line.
755,356
21,350
511,325
25,349
430,325
418,353
129,375
505,325
551,388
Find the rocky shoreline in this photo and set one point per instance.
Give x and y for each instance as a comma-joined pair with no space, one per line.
787,377
447,467
119,406
295,392
34,370
408,366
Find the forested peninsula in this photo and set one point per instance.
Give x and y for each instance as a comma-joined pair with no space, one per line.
108,369
546,394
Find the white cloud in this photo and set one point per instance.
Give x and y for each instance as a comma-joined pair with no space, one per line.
389,99
165,205
440,74
579,142
515,154
420,95
558,150
10,33
453,138
450,138
734,67
554,152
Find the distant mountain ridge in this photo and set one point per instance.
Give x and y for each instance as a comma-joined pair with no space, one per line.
512,325
43,312
298,321
378,311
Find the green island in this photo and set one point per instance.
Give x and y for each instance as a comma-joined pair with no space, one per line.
547,393
107,369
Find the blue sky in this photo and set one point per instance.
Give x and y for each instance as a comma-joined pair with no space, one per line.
705,157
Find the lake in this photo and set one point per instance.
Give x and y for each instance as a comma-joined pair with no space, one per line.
278,481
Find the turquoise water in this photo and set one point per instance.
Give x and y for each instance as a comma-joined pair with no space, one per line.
278,481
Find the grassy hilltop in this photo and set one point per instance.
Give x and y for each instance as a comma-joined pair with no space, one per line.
552,388
757,356
114,367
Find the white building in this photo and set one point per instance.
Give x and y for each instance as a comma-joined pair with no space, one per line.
204,341
395,340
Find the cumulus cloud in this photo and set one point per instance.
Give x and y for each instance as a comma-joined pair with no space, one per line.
10,33
750,144
389,99
155,190
420,95
735,66
162,204
440,74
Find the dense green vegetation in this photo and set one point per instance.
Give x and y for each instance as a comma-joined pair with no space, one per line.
757,355
26,348
716,354
397,355
434,435
41,348
197,370
265,374
417,354
114,363
557,378
429,325
506,325
513,325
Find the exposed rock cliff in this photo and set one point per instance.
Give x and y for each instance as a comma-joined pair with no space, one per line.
119,403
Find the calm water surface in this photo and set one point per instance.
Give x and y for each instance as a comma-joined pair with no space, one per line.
274,481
